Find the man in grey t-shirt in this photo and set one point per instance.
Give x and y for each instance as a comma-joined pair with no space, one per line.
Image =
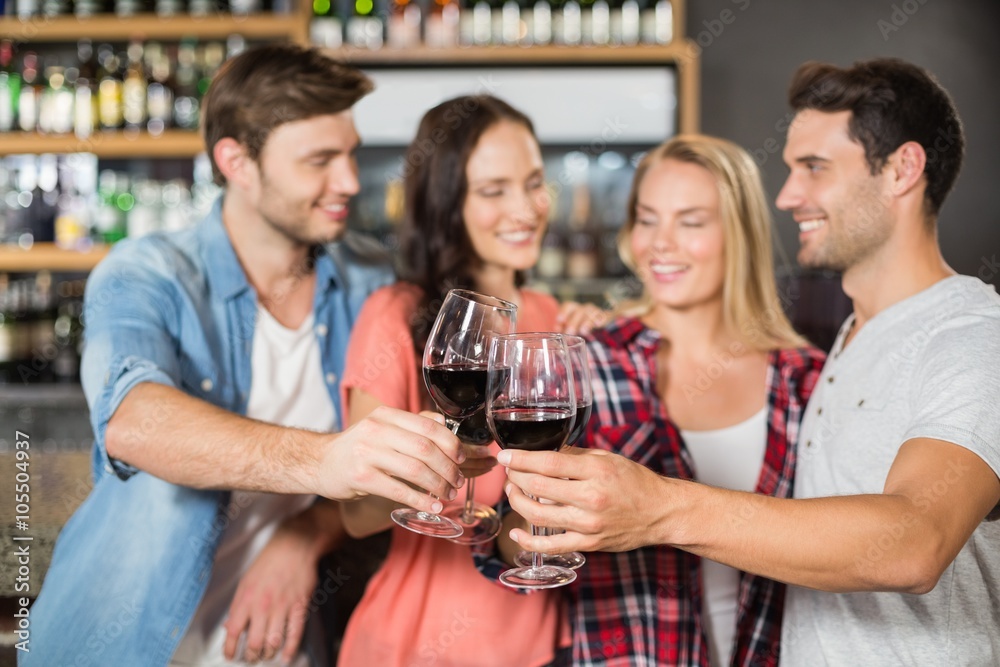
888,544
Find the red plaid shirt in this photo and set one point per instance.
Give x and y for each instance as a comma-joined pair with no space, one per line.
644,607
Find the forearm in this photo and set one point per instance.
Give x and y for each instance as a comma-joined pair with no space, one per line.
187,441
367,516
839,544
319,528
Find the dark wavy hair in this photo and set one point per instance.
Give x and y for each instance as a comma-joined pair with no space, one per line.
437,253
891,102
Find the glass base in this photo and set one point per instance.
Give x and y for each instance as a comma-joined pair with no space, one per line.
485,524
572,561
432,525
546,576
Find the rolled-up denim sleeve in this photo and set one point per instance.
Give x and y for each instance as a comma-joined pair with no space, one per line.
129,308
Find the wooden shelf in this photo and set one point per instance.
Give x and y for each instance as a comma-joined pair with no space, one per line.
675,52
684,54
172,143
150,26
48,257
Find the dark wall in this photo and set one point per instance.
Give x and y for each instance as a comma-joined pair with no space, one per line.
747,65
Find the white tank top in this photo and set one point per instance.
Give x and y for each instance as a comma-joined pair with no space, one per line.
730,458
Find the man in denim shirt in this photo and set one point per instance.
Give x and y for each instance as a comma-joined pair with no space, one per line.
211,369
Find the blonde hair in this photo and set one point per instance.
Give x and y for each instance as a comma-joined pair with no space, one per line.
751,307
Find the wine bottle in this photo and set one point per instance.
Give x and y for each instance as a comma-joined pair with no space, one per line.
10,87
327,28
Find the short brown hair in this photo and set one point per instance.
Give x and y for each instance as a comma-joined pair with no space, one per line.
891,102
267,86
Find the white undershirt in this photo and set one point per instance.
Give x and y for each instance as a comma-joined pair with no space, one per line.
287,388
730,458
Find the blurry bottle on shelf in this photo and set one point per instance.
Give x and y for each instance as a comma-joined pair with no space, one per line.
15,332
85,95
110,103
42,306
245,7
25,9
476,23
595,22
109,218
657,22
134,89
8,331
210,58
77,193
583,258
10,87
567,27
55,111
538,22
395,202
552,259
509,31
364,27
403,29
87,8
202,7
160,92
625,23
55,7
235,45
186,98
443,24
327,28
30,94
68,331
127,8
167,8
144,217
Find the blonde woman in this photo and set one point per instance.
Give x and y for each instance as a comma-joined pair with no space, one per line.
704,379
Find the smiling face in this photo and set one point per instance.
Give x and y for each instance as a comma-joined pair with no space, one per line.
506,207
677,242
307,174
842,213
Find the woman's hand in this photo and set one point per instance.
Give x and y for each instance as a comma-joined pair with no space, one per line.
580,318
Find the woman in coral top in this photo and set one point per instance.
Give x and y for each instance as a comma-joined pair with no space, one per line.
476,212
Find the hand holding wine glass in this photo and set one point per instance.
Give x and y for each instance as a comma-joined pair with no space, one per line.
531,405
584,394
455,371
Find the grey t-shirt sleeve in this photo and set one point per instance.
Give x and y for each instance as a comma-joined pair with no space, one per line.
955,394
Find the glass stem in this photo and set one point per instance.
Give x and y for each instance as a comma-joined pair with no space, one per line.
536,557
468,515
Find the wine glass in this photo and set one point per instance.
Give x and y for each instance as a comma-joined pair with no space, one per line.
584,393
455,369
531,405
480,523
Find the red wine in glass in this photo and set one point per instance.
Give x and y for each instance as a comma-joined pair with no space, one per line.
455,374
531,406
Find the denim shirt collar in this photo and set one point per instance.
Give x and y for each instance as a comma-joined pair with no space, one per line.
226,273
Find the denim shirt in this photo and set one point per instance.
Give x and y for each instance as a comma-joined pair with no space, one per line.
133,562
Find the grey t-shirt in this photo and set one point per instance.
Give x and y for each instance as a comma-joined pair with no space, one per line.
927,367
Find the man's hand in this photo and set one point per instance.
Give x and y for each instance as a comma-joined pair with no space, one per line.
271,604
580,318
606,502
387,452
